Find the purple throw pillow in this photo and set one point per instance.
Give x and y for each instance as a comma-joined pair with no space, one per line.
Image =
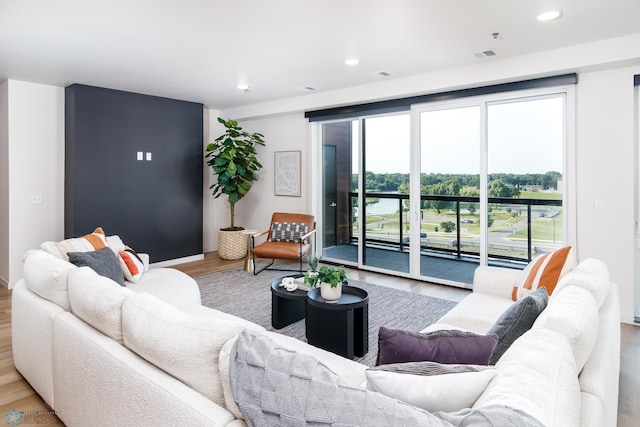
446,346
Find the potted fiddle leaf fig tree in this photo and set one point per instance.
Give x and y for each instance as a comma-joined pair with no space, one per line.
234,160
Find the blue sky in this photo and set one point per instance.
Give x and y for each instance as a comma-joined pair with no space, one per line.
524,137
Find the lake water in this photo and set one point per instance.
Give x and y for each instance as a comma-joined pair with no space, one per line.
384,206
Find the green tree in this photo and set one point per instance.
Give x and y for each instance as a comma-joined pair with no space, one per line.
499,188
448,226
470,191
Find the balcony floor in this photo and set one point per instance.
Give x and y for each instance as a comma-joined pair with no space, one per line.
432,265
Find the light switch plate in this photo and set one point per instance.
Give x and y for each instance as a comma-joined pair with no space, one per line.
148,156
139,155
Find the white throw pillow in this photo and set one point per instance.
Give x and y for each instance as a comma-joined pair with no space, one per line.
131,265
47,276
431,386
184,346
98,301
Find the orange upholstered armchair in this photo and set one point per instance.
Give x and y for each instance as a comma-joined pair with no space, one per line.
288,237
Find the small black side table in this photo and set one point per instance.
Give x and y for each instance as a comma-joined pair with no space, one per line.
286,307
341,327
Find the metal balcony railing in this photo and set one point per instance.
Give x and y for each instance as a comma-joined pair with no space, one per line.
459,243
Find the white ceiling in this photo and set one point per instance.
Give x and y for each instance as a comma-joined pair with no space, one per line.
199,50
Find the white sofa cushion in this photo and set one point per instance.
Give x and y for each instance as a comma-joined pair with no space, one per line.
537,375
573,313
184,346
431,386
497,281
477,312
170,285
592,275
98,301
47,276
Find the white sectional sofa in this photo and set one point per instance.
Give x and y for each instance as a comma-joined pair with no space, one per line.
565,370
149,354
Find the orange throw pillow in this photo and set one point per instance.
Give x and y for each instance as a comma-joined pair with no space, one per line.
545,271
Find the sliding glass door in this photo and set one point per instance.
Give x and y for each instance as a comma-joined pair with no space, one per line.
437,191
525,177
450,193
386,162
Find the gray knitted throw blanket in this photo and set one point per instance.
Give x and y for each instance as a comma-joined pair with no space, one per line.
274,386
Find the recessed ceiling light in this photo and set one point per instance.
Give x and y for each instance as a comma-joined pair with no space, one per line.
352,61
243,86
549,15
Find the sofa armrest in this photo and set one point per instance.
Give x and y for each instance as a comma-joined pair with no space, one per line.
498,281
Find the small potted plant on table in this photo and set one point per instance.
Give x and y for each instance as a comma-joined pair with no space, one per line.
330,280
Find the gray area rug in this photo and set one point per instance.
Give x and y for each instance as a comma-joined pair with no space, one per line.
244,295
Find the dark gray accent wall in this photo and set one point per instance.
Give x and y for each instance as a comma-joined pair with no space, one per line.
154,206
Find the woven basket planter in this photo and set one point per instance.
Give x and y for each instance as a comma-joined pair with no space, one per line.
232,244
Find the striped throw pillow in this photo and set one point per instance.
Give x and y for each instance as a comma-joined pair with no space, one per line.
88,242
131,265
545,271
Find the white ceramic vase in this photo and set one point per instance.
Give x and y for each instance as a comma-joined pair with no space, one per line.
329,294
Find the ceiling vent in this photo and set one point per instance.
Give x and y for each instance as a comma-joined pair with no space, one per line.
380,74
307,88
484,54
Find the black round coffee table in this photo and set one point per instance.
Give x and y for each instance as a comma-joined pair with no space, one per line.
286,307
341,327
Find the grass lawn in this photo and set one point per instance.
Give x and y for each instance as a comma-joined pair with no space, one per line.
537,195
543,230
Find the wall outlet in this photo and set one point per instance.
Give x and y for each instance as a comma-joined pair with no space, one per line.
148,156
598,205
36,199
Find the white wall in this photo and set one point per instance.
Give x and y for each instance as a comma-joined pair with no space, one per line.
605,156
282,133
4,183
212,209
36,167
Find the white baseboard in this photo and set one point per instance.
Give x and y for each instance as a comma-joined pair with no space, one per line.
173,262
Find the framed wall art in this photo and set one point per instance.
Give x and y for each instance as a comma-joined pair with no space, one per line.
287,173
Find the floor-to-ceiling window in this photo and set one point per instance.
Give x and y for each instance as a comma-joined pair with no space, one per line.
434,192
385,162
525,176
450,192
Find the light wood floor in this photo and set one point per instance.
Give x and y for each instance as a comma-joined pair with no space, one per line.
16,394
